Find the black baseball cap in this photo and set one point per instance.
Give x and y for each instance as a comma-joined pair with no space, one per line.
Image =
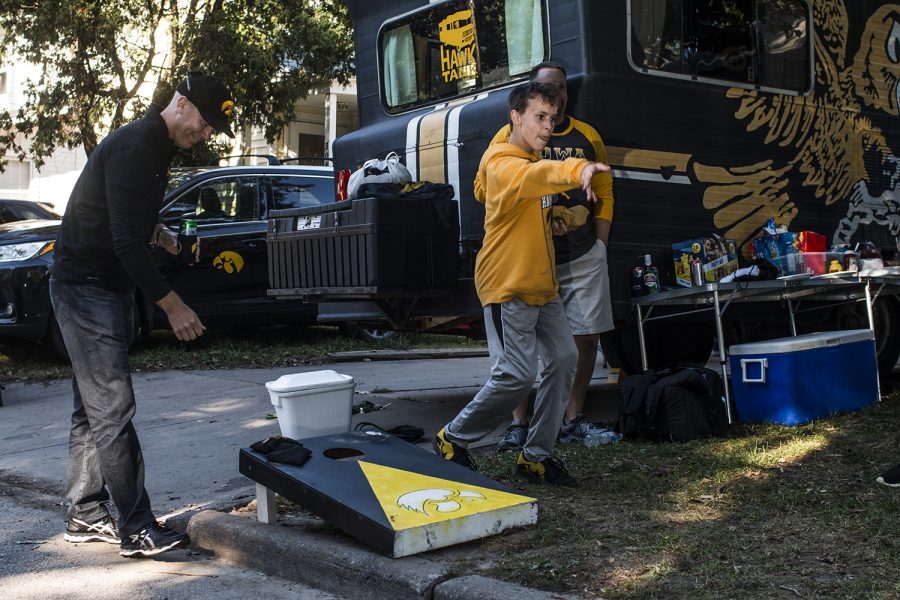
211,97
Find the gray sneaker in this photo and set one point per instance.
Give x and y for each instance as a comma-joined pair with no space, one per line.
582,431
104,530
151,540
514,438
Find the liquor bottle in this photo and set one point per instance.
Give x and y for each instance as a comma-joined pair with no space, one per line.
187,242
651,276
637,282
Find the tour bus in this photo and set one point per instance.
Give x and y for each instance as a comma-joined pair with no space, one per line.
717,115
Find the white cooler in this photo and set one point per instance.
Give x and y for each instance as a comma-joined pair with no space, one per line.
312,404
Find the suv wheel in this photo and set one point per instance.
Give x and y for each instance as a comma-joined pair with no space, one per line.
55,339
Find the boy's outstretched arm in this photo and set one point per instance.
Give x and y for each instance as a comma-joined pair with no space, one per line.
587,173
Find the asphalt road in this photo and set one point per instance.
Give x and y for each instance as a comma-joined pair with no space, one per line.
36,563
192,424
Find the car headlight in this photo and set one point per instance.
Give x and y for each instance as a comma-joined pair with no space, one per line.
12,252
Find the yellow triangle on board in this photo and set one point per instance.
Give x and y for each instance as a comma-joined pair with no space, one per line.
412,499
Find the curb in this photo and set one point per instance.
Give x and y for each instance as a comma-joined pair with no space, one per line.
314,559
370,355
342,566
484,588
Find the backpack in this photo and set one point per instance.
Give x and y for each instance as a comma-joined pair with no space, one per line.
678,403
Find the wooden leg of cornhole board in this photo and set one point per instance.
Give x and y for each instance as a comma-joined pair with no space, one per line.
265,505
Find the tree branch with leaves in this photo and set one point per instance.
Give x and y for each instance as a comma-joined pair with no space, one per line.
93,60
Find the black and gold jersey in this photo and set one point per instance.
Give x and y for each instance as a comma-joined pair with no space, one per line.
576,139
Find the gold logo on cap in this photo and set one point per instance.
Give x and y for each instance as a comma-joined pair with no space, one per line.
227,108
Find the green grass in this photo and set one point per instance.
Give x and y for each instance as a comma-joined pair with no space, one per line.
770,512
218,349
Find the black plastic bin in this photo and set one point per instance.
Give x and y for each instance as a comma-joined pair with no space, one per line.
365,247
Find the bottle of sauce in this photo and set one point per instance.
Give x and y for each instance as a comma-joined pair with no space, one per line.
835,266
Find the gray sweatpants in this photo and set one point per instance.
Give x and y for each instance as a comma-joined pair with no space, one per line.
517,333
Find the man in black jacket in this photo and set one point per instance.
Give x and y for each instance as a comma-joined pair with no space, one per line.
101,254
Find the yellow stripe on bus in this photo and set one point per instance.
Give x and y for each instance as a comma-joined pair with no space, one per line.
431,147
651,160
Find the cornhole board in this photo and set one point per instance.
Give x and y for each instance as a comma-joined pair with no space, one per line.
389,494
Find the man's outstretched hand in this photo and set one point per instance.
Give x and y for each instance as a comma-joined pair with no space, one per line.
587,173
184,322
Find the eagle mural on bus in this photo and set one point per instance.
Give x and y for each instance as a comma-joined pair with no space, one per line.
839,154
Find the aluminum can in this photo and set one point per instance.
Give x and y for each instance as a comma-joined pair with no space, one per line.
696,272
188,227
187,241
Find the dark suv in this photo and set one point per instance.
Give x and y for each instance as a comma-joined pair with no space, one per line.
227,287
21,210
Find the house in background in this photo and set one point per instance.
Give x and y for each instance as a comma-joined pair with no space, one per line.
20,179
318,120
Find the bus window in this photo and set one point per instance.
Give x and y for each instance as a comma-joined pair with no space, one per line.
656,34
398,58
784,45
457,47
524,34
753,42
718,40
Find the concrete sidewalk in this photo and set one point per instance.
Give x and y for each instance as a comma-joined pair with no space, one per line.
192,424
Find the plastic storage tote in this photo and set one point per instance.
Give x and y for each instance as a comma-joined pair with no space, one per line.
365,246
312,404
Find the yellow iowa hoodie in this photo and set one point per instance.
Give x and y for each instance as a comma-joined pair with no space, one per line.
516,259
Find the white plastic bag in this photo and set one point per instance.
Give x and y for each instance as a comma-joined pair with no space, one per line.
389,170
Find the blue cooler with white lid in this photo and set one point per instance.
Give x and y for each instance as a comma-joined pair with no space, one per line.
795,380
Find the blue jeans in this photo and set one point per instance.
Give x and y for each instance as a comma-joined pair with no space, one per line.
97,327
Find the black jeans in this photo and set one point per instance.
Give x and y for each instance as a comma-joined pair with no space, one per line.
104,451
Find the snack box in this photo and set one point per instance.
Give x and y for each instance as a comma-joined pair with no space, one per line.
718,258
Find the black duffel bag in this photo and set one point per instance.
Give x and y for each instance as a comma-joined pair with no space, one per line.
677,403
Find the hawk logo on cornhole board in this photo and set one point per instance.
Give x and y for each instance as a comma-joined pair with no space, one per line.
413,499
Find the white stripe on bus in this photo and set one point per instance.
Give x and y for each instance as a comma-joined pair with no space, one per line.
453,144
679,179
412,151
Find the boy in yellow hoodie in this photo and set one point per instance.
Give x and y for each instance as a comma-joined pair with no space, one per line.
515,277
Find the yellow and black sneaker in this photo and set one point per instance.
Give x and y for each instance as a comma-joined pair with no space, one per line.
450,451
548,471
